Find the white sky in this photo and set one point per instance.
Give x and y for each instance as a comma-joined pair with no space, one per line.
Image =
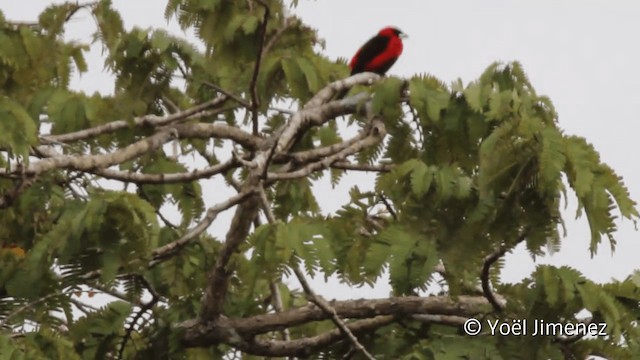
583,54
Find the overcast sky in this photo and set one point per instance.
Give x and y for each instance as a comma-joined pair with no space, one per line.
584,55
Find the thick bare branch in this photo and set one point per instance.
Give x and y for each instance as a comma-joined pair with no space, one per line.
147,120
91,162
336,87
216,290
375,135
450,320
305,347
316,116
219,131
198,333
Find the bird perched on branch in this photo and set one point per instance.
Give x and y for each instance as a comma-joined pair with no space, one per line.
378,54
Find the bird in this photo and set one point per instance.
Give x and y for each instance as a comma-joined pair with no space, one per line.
378,54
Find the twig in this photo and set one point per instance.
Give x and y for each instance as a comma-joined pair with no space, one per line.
486,267
255,98
306,156
217,88
288,21
167,178
278,306
484,276
327,308
266,208
29,305
36,302
85,308
162,253
155,297
376,135
389,207
165,220
115,293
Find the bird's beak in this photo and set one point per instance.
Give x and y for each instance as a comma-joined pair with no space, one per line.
403,36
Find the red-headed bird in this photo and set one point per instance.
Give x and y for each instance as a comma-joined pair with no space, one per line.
378,54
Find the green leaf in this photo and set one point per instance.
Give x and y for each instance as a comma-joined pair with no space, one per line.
551,159
295,78
17,129
310,73
386,100
476,96
421,178
67,113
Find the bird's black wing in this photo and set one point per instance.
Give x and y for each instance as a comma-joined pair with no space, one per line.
372,48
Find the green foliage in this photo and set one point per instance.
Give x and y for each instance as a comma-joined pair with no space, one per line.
17,129
187,196
99,333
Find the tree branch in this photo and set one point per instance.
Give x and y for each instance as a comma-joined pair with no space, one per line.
376,134
305,347
219,131
287,23
316,112
155,297
163,253
303,157
216,290
486,267
147,120
217,88
255,98
167,178
329,310
199,333
345,165
326,94
91,162
450,320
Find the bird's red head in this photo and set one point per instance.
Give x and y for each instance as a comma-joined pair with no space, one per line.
391,31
